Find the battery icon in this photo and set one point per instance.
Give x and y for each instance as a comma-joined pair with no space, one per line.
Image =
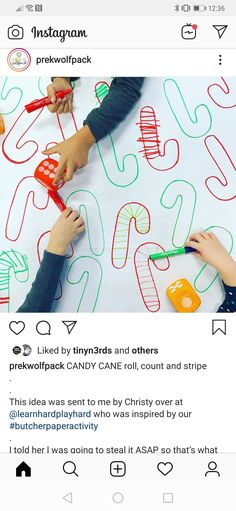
199,8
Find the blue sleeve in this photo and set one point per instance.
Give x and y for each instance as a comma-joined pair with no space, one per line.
40,298
122,96
229,304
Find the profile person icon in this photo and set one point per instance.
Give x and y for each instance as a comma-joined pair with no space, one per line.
212,469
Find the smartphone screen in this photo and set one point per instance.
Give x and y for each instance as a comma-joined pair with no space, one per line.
117,256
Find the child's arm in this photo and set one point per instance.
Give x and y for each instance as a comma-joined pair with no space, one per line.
211,251
40,298
122,96
60,106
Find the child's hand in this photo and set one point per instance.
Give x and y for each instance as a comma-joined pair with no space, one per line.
211,251
67,227
73,153
59,106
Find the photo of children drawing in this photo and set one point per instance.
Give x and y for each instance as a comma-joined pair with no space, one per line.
106,185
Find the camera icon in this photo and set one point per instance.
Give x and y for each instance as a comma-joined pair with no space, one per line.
15,32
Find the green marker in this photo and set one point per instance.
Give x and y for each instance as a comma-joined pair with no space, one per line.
170,253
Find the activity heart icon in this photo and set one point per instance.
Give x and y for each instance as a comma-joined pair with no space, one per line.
165,468
17,327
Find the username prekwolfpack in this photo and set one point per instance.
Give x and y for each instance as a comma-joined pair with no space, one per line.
68,59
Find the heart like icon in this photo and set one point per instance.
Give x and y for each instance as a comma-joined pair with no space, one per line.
17,327
165,468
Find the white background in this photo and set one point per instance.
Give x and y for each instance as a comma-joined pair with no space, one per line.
119,289
208,394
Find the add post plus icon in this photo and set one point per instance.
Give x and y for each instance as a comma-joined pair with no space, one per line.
118,469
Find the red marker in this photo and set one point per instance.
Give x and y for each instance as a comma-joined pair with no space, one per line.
40,103
57,199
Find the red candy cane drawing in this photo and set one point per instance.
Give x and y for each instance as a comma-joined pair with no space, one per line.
66,129
224,188
121,237
180,193
222,94
157,159
144,272
11,263
28,148
27,188
86,273
41,246
126,173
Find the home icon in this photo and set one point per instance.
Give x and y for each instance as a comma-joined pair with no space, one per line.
23,469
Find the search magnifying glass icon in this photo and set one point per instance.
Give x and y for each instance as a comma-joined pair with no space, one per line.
69,468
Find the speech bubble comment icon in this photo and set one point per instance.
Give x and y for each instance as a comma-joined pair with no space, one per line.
43,328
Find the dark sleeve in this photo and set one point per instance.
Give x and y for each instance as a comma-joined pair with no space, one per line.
71,78
40,298
229,304
122,96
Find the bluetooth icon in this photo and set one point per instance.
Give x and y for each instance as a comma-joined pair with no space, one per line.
177,8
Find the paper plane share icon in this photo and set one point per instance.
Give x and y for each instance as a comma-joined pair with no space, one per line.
220,29
70,325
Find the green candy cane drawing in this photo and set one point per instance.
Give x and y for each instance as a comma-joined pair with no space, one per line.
86,274
122,174
87,205
194,124
12,263
181,196
10,97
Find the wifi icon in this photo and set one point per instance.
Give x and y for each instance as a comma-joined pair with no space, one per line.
29,7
